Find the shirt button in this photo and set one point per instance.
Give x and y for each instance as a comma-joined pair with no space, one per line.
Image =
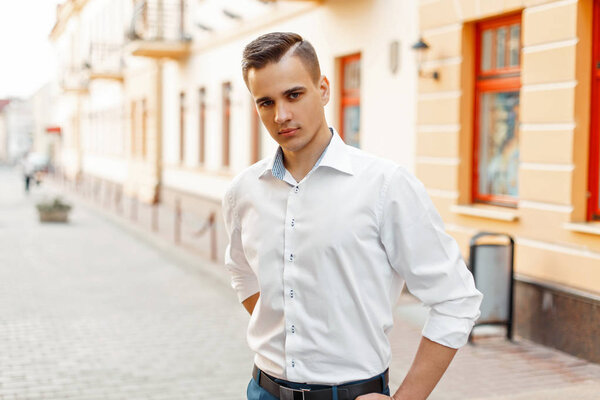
292,293
293,363
293,329
296,189
291,257
293,222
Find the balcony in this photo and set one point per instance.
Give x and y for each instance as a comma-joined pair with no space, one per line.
157,30
105,61
73,80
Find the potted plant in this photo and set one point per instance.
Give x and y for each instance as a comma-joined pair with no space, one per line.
53,211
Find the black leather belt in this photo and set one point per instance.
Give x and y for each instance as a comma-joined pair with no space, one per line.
345,392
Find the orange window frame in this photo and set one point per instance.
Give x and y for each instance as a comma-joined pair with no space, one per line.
593,209
226,124
254,132
201,124
490,81
348,97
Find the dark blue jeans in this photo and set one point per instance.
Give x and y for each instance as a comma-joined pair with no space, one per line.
255,392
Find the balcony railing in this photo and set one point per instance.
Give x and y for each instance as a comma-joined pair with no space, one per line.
105,61
157,29
73,79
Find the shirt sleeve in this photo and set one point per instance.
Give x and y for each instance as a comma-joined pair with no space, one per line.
429,260
243,278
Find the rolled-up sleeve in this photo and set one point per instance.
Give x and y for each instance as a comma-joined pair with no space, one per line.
243,279
428,259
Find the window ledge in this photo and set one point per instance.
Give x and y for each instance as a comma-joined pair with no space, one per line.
592,228
484,212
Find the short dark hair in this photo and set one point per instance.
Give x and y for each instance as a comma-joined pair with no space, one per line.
271,47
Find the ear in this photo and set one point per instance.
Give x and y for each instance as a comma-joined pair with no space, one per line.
324,90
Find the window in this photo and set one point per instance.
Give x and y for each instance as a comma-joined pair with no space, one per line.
226,93
181,127
497,87
133,128
143,117
350,99
201,124
255,149
594,163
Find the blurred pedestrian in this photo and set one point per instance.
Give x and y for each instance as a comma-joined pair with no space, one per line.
28,171
322,237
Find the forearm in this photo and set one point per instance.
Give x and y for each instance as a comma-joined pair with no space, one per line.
250,302
430,363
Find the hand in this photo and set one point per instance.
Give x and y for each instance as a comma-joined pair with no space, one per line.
374,396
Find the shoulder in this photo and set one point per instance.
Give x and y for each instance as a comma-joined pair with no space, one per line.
246,178
373,165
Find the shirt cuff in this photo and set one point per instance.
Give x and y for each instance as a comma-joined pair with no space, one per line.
245,288
447,330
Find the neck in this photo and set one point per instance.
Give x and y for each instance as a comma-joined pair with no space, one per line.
300,162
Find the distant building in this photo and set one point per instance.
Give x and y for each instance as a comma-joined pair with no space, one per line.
3,133
16,129
46,131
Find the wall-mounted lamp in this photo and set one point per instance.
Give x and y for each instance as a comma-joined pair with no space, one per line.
421,48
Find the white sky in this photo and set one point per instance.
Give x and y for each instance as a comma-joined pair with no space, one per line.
27,58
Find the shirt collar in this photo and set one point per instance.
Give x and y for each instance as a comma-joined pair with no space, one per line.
335,156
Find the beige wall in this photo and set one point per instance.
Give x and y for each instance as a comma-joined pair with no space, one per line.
554,131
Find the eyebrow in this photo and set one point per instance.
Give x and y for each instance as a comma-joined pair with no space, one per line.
287,92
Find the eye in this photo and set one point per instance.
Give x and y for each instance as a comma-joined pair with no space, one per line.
266,103
294,95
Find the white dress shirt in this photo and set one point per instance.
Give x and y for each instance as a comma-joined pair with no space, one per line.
330,254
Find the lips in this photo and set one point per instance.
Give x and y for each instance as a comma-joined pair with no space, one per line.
288,132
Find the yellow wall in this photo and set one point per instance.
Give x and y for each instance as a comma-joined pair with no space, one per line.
554,132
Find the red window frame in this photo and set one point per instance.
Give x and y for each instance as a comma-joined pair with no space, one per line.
493,80
593,210
226,123
348,97
254,132
201,124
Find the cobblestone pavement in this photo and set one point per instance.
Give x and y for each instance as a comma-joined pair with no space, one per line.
101,309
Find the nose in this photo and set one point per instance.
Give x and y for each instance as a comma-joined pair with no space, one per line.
282,113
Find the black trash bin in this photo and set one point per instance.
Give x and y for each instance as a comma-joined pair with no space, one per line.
492,266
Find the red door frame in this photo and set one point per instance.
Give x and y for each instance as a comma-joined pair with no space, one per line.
491,85
593,210
347,97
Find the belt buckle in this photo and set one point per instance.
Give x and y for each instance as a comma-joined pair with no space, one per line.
286,393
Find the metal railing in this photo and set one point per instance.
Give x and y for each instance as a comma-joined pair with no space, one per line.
71,77
159,20
106,57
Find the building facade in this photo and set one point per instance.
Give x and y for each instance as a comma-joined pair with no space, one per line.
154,109
507,141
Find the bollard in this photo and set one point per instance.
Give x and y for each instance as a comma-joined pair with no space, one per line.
177,232
213,237
155,217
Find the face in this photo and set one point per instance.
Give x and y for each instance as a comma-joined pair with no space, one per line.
289,102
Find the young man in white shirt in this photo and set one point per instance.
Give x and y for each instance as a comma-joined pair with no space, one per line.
323,237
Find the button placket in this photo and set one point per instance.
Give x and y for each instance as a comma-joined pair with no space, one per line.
289,261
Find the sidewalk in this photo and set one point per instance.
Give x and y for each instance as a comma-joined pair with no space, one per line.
103,309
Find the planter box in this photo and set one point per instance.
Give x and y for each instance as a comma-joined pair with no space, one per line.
54,216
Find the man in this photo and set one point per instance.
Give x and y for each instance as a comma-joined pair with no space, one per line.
322,238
